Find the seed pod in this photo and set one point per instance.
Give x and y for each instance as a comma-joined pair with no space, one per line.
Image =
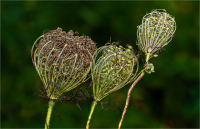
113,70
156,31
62,60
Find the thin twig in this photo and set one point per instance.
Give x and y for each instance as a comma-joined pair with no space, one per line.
128,97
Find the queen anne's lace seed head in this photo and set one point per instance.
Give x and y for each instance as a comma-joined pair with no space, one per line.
156,31
62,60
113,70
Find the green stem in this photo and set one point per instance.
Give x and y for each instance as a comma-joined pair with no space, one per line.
147,56
51,103
91,112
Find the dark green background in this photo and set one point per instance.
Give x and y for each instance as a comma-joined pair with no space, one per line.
168,98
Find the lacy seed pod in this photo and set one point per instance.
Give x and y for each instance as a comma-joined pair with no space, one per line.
113,70
62,60
156,31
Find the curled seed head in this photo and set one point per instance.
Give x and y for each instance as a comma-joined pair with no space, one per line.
149,68
62,60
156,31
112,70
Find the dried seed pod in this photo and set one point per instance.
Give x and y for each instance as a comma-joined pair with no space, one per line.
156,31
62,60
113,70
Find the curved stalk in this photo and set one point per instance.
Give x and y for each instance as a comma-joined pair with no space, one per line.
51,104
128,97
91,112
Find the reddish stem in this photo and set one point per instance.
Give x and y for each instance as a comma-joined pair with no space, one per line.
128,97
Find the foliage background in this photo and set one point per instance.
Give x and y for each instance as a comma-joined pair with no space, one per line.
168,98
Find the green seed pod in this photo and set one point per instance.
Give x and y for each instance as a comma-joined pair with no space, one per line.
111,71
155,55
130,47
128,51
156,31
62,60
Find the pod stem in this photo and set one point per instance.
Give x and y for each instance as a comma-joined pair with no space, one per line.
128,97
91,112
51,104
148,56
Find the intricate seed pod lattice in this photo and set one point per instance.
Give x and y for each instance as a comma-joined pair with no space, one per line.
113,70
156,31
62,60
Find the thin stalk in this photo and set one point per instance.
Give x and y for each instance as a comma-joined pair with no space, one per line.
128,97
51,104
91,112
147,56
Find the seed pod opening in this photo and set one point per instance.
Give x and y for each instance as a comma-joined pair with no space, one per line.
62,60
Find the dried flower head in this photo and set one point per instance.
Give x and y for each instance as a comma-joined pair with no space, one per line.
62,60
113,70
156,31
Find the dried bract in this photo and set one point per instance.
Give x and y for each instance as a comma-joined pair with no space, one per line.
62,60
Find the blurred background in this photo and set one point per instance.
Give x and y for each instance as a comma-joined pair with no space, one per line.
168,98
